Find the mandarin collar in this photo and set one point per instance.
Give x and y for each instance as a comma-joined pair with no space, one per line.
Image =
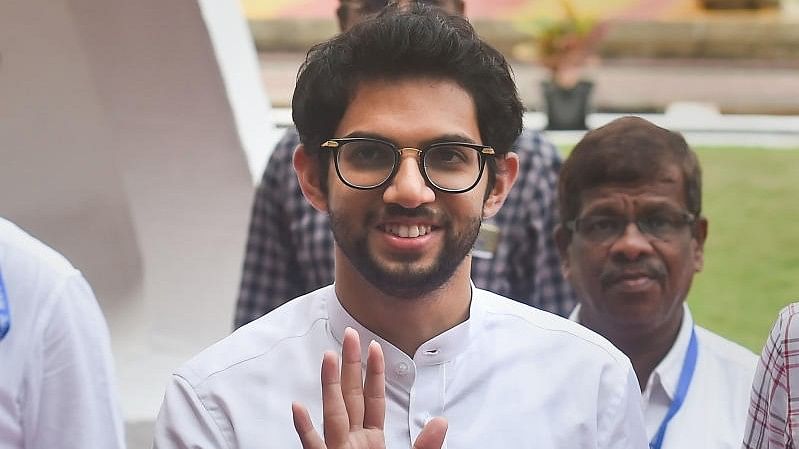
442,348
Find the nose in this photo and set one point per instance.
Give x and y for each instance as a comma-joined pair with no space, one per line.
408,188
632,244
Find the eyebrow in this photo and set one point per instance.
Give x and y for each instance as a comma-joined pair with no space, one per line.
438,139
612,208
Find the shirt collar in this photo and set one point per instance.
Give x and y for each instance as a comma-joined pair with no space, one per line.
439,349
667,372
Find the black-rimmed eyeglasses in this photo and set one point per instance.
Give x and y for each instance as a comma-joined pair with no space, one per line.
659,225
367,163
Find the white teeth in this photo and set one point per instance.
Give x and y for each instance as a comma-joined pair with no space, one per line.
407,231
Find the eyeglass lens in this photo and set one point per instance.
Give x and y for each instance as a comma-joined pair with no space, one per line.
663,225
366,163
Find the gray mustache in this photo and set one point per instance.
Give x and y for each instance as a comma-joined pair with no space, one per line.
615,271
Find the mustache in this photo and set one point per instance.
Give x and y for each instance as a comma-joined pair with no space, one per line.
614,272
397,211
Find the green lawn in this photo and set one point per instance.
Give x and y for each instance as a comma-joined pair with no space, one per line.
751,200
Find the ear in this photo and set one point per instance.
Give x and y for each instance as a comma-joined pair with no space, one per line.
699,237
507,171
307,170
563,239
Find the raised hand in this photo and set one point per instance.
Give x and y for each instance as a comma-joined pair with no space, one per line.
354,412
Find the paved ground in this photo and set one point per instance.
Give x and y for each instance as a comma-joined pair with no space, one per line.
737,87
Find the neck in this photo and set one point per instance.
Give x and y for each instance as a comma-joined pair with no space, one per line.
646,346
404,322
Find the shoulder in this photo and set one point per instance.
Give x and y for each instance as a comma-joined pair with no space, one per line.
284,148
533,145
545,330
32,270
286,328
21,254
787,325
727,352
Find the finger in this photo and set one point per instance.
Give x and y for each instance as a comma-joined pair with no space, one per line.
432,435
351,380
302,424
336,423
375,388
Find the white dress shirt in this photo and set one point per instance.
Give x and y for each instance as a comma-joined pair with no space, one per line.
714,411
509,377
56,376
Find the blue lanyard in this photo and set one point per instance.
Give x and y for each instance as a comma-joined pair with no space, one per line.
686,374
5,313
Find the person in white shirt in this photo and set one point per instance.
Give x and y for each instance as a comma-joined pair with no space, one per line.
406,124
57,387
631,240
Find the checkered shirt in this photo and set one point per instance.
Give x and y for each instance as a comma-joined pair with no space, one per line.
290,247
773,420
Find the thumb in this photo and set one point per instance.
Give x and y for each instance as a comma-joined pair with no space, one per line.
432,435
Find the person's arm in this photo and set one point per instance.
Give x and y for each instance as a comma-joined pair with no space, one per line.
184,422
354,412
270,272
620,423
769,417
77,403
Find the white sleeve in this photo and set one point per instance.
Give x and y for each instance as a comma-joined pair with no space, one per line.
184,422
621,421
77,400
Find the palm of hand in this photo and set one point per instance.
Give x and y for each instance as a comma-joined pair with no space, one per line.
353,411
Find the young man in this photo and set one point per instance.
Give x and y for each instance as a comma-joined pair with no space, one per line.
56,370
290,248
631,241
406,124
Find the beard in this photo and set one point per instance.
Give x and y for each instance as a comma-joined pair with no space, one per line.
405,279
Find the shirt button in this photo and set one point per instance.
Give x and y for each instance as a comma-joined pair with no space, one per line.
401,369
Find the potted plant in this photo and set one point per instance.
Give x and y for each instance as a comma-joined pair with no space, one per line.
566,46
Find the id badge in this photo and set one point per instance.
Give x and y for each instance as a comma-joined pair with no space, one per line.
487,241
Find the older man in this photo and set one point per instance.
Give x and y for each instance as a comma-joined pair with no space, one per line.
406,124
631,241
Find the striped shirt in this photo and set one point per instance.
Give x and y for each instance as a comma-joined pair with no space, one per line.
773,420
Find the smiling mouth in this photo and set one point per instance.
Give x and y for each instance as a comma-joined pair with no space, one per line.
407,231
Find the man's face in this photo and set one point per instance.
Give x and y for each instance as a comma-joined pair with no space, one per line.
635,281
354,12
405,238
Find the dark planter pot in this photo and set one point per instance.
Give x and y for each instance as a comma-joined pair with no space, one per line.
567,108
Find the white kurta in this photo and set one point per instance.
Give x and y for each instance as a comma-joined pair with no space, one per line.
56,374
509,377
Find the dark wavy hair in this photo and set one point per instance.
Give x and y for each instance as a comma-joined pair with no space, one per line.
419,41
628,150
